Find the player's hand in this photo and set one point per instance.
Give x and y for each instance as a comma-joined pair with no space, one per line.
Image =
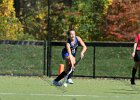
73,68
133,54
82,55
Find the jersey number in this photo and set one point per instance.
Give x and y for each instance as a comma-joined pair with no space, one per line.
73,51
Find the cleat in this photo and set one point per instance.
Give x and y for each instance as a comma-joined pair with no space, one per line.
132,81
56,83
69,81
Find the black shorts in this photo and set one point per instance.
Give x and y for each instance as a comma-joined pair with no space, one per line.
137,56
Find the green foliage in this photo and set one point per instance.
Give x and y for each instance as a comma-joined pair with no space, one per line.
86,17
82,20
92,19
34,19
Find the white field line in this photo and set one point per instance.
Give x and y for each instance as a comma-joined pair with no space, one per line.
66,95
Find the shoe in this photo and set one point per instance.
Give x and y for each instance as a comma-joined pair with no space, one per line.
132,81
69,81
56,83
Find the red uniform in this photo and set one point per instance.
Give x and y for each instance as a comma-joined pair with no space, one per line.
137,39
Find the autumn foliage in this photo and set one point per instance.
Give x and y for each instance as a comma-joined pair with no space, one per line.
93,20
123,20
10,26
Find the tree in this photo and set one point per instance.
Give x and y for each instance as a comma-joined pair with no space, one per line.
87,18
122,20
10,26
33,18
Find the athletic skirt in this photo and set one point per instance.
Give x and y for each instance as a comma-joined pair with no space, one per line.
66,54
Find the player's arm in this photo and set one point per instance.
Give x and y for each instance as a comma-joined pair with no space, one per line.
83,45
70,54
134,49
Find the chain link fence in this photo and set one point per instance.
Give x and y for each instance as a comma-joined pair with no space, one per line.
102,59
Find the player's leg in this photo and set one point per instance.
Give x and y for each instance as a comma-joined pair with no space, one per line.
136,65
65,56
134,70
64,73
58,78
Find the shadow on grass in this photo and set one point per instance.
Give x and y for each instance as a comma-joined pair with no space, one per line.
49,82
133,89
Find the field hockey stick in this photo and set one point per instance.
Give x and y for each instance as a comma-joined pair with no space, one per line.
66,77
77,61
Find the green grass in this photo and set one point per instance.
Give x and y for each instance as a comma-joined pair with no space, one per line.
35,88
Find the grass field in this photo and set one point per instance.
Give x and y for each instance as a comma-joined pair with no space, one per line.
37,88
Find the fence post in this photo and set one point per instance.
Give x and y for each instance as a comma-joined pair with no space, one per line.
49,42
94,65
44,68
48,59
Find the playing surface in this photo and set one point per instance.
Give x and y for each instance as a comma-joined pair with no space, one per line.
36,88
